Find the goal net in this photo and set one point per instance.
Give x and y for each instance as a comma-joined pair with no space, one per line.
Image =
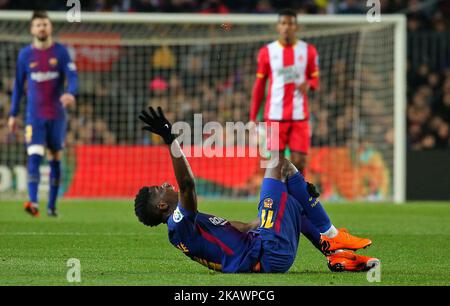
191,64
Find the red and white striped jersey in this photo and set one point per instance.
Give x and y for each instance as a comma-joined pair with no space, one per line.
286,67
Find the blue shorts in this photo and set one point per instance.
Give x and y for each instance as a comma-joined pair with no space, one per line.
46,132
280,226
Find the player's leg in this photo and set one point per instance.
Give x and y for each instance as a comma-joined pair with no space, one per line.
331,238
299,144
297,187
340,260
35,140
280,222
277,137
310,231
54,161
54,156
345,260
299,160
308,228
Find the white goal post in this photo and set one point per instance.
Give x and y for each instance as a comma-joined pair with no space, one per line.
362,105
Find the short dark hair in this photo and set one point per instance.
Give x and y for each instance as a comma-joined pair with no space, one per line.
39,15
145,207
288,12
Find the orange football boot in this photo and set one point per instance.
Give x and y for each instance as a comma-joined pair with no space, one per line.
343,240
350,261
31,208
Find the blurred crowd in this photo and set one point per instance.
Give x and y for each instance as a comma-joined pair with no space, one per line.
429,108
422,13
191,82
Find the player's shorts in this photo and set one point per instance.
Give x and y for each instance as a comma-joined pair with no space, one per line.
295,134
46,132
280,226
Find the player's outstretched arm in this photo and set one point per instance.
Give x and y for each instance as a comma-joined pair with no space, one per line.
184,176
156,122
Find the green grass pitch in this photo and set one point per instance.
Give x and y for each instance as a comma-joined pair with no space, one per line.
412,241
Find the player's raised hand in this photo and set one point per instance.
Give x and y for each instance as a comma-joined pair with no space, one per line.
67,100
157,123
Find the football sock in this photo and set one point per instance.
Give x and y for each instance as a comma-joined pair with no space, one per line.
296,186
55,176
34,161
331,233
310,231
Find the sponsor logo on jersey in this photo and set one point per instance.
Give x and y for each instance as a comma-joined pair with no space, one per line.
289,74
44,76
33,64
268,203
217,220
177,216
182,247
53,61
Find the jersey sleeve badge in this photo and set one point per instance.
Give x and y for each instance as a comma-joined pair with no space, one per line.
177,215
268,203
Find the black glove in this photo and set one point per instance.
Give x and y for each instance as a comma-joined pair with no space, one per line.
158,124
312,190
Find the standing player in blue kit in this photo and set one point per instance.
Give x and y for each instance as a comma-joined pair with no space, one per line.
45,65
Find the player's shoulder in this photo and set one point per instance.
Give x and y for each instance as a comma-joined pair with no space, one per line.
264,48
180,215
272,44
60,47
311,47
263,52
25,50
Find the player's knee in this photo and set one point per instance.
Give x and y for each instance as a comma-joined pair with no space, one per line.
288,169
299,160
54,155
36,150
274,166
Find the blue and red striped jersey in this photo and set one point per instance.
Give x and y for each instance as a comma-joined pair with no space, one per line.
213,241
45,72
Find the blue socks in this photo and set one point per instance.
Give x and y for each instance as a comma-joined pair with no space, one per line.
34,176
34,161
55,177
314,211
310,232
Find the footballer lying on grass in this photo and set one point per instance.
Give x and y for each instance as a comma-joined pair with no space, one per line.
288,206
